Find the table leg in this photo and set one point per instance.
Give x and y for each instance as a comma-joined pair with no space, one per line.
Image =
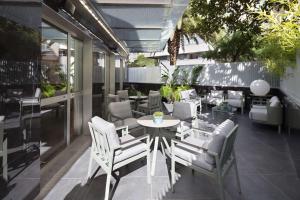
163,149
154,155
167,145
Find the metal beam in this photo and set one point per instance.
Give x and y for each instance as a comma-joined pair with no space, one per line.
135,2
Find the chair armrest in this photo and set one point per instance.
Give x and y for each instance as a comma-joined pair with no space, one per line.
133,141
207,133
188,145
138,113
124,130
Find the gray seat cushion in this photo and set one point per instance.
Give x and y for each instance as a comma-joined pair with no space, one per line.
143,105
198,140
258,114
131,150
195,158
130,122
235,102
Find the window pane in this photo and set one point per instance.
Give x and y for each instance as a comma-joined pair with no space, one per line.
54,61
76,65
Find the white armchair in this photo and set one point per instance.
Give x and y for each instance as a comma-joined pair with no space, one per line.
112,152
191,96
236,99
271,113
215,97
215,161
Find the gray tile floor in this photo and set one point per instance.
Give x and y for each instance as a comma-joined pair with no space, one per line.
267,163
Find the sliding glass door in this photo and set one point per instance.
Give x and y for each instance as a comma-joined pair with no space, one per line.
62,70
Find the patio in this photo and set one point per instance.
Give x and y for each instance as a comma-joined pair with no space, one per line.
268,164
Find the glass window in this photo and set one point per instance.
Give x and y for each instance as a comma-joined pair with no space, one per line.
54,61
76,64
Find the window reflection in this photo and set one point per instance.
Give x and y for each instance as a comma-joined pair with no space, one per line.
76,65
54,61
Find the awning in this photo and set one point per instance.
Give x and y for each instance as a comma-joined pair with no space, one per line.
144,25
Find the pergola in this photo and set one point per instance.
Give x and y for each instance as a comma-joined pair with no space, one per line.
144,25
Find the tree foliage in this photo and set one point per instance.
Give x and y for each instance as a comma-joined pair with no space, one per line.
229,26
280,36
142,61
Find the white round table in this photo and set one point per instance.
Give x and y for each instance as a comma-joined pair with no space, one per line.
168,121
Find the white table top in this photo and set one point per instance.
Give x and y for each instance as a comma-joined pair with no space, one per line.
138,97
168,121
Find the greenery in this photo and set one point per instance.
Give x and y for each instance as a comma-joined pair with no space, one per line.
158,114
229,26
48,90
171,89
195,74
142,61
280,36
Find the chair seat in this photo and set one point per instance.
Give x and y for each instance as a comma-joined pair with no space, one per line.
235,102
198,140
184,127
144,101
130,122
258,114
214,101
196,159
143,105
130,151
30,101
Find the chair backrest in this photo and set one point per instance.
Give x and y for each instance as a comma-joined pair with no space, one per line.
120,109
154,101
228,146
182,110
104,137
154,92
185,95
112,98
192,94
38,93
216,93
218,140
123,94
234,94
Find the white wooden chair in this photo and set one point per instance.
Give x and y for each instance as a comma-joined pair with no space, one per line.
112,152
215,161
3,151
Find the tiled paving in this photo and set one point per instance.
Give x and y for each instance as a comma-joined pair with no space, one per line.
267,164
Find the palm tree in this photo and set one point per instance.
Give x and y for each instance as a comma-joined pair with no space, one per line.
184,29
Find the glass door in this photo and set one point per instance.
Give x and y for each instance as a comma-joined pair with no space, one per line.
54,82
75,83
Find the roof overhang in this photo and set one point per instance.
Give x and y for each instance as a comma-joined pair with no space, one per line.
144,25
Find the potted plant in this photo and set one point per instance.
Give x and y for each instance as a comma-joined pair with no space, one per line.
158,117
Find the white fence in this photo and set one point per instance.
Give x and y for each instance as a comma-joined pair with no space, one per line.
218,74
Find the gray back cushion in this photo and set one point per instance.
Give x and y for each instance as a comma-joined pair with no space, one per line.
108,129
182,110
218,139
215,146
224,128
120,109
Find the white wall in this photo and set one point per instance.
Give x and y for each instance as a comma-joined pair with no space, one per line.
218,74
290,84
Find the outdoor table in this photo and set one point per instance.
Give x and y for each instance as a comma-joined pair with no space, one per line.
168,121
137,99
